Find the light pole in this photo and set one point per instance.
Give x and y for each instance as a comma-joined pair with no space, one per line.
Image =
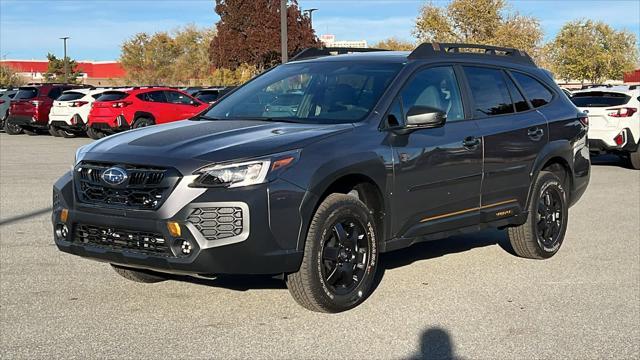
66,67
309,12
283,30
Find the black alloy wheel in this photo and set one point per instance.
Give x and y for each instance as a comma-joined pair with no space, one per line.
344,256
549,218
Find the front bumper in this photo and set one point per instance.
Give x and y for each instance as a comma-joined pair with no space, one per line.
268,244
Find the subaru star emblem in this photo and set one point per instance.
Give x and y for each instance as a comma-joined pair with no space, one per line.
114,176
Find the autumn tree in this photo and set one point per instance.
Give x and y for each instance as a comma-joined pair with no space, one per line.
249,32
192,62
56,69
487,22
9,78
394,44
589,50
148,59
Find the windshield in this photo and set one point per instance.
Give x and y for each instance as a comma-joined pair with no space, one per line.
320,92
599,99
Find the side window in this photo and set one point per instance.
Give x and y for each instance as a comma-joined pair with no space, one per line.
516,96
434,87
489,91
177,98
54,93
537,93
394,117
154,96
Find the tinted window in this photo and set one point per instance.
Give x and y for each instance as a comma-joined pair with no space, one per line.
112,96
395,116
207,96
153,96
175,97
54,93
489,91
516,96
26,93
537,93
68,96
436,88
313,92
599,99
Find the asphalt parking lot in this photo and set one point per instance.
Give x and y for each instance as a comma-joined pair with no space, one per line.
464,297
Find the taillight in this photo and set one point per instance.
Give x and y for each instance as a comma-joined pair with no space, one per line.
78,103
622,112
584,120
2,101
121,104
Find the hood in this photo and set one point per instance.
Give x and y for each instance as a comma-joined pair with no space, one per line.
187,145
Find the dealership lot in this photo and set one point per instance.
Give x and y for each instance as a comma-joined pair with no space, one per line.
464,297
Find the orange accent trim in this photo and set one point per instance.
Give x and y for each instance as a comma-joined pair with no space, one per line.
467,210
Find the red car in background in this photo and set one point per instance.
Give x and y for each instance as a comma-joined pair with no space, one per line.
122,109
29,109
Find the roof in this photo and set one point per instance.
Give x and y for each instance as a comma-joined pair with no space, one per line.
93,69
623,89
378,56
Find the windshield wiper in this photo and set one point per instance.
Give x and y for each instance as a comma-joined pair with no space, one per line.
203,117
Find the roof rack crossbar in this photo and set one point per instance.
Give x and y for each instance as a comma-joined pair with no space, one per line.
312,53
431,50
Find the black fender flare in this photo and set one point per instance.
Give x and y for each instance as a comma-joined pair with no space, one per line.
366,166
144,114
562,149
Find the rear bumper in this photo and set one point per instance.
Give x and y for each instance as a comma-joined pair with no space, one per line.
109,123
602,141
67,120
261,249
27,121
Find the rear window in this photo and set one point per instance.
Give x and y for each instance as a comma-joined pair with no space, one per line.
68,96
112,96
537,93
207,96
489,91
26,93
599,99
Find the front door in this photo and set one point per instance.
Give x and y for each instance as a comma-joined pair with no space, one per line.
438,171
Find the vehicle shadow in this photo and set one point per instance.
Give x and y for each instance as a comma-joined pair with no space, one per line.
435,344
26,216
391,260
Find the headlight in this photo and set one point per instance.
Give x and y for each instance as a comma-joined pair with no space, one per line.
243,173
233,175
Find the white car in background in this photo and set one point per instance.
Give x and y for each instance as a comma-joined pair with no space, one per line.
70,111
614,119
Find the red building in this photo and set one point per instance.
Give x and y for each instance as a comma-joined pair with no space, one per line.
632,77
92,72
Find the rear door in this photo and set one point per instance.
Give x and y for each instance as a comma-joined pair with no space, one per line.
513,133
155,103
184,106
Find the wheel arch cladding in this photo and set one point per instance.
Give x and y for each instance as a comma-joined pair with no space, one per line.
368,184
555,157
143,114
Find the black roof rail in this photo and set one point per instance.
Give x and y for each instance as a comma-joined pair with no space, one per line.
312,53
431,50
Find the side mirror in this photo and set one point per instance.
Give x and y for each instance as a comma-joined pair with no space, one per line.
422,117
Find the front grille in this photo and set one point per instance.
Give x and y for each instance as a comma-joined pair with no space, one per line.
118,239
145,188
217,223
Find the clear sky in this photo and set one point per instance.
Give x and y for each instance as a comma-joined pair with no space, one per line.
31,28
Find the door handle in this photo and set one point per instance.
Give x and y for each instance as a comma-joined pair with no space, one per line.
535,133
471,142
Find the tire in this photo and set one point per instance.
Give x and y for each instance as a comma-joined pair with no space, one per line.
334,250
634,159
12,129
31,132
4,119
142,122
548,209
54,132
94,133
67,134
140,276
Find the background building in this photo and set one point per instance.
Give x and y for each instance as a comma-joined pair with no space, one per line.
329,40
104,73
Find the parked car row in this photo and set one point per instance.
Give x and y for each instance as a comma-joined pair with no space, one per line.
70,110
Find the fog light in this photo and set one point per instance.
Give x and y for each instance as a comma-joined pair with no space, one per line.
619,139
186,247
174,228
64,215
62,231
